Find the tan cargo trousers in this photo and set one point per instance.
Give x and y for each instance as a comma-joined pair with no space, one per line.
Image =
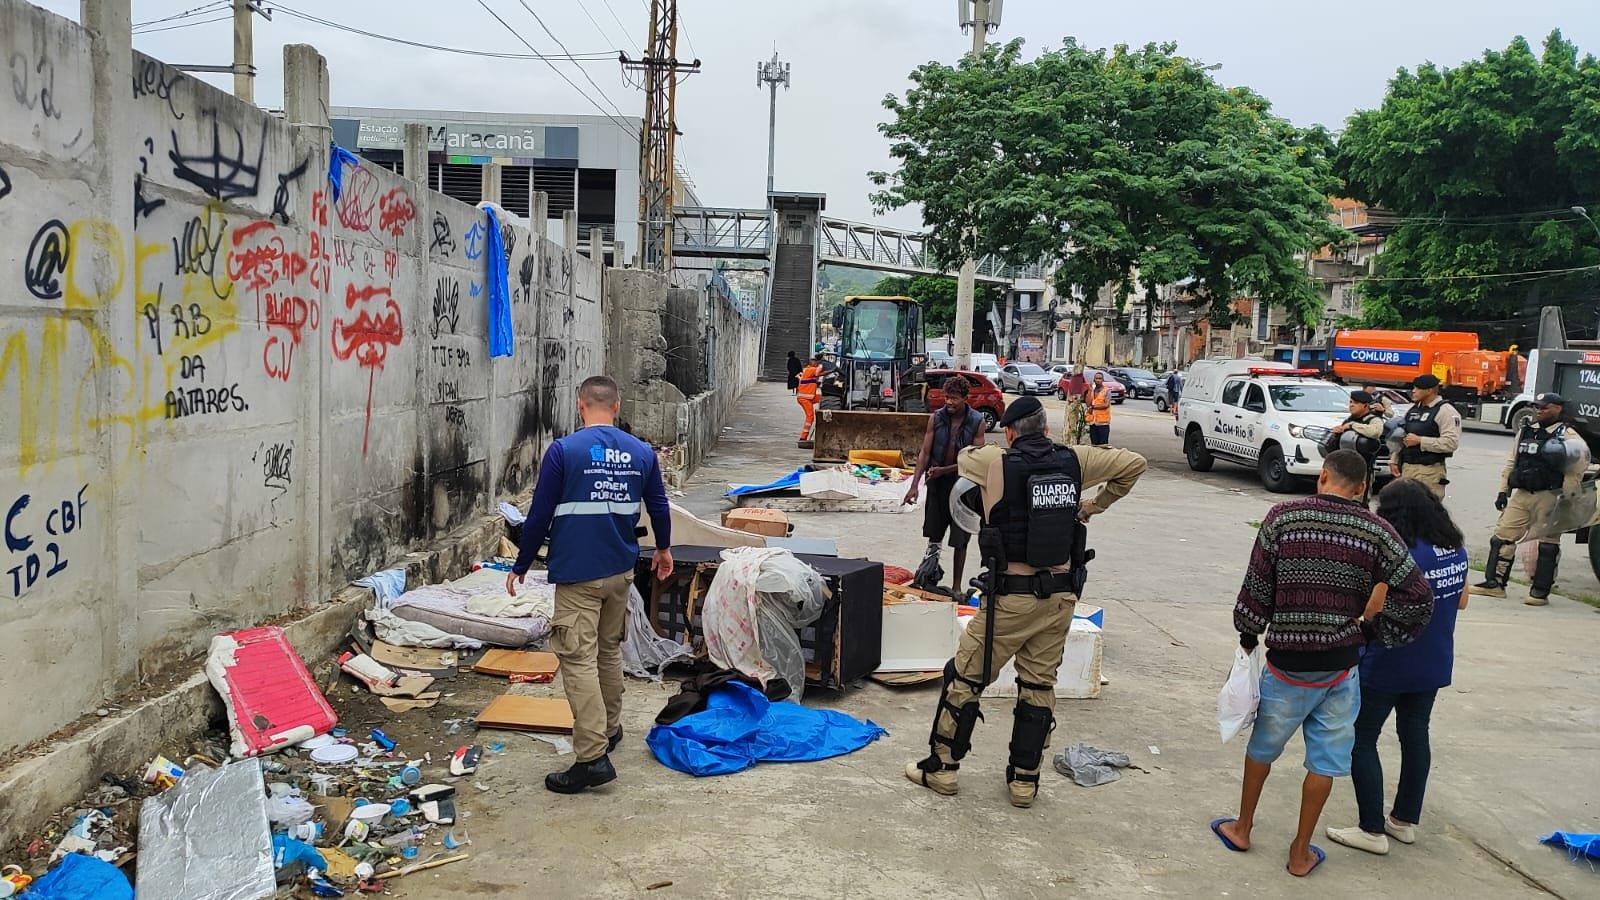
586,635
1523,510
1434,475
1032,631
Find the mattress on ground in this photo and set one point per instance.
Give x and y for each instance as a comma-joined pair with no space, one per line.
444,606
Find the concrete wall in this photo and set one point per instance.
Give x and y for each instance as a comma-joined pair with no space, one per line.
224,393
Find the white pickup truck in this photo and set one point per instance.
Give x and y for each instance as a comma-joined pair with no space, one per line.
1257,413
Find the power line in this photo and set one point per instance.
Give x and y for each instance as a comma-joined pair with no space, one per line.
618,20
596,56
185,14
516,34
563,47
1547,273
178,25
596,23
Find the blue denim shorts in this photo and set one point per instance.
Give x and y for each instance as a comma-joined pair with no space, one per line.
1328,715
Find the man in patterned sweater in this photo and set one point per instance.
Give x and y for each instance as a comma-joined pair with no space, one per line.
1326,577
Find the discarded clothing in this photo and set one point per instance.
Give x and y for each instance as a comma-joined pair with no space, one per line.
741,728
754,608
391,629
1090,766
1578,845
694,692
80,876
646,654
385,585
511,514
501,339
536,596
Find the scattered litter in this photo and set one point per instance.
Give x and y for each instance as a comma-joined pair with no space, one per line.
415,659
657,885
1578,845
515,712
644,652
465,760
740,727
456,837
292,858
453,726
1089,766
367,670
385,585
563,747
517,662
287,806
497,747
396,873
85,836
511,514
400,704
207,838
335,755
270,698
382,740
1154,750
163,773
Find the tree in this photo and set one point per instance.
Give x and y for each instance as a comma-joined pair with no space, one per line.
1482,165
1129,168
937,296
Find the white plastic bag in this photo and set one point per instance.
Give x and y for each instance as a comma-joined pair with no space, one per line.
1241,694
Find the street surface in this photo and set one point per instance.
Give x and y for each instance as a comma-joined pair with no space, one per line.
1516,740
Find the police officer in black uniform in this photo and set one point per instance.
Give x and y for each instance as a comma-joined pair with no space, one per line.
1546,468
1431,434
1033,541
1361,431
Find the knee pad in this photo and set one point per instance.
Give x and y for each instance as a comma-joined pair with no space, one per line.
965,716
1029,733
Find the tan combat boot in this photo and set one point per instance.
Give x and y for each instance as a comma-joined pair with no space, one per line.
942,778
1023,785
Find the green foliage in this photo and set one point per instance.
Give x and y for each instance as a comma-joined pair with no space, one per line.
937,295
834,283
1130,168
1482,163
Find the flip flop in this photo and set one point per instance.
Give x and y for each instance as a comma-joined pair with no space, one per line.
1321,858
1216,828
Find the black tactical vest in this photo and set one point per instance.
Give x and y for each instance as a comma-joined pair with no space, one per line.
1533,469
1423,421
1038,513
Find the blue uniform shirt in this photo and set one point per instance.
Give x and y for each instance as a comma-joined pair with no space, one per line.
1427,663
592,486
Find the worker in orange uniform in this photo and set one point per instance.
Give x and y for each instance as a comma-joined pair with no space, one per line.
806,396
1099,411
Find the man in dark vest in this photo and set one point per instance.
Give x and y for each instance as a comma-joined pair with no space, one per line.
951,428
1033,541
1543,471
1432,433
1361,431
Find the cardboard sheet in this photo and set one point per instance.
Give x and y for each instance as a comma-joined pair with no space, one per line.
415,659
412,686
400,704
517,662
516,712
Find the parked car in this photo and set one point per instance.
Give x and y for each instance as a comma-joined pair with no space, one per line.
938,359
1114,388
987,364
1026,378
1139,382
1167,394
983,395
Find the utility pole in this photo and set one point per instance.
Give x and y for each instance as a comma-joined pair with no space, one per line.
659,68
772,73
982,16
244,68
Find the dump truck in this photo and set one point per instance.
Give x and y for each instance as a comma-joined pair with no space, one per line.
1485,386
876,398
1575,375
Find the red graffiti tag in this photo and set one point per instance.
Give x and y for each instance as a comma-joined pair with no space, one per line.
395,212
357,200
319,208
368,336
264,265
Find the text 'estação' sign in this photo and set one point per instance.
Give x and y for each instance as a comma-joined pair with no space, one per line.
1374,356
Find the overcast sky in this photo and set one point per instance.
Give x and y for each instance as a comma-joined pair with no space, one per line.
1317,63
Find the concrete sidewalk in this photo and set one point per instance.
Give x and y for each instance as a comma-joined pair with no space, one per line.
1515,749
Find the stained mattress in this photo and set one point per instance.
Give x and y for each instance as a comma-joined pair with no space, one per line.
451,607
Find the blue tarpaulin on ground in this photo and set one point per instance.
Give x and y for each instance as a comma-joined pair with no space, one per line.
80,877
791,480
740,728
1577,844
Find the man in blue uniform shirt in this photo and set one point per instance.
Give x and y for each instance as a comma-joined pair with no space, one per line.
591,487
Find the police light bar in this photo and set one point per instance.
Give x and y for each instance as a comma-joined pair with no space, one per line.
1290,372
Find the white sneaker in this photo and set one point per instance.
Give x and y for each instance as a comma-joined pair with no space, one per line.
1405,834
1360,840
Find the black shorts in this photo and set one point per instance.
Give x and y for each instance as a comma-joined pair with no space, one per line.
936,512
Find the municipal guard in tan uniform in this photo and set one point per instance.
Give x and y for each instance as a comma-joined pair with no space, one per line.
1545,469
1432,433
1033,540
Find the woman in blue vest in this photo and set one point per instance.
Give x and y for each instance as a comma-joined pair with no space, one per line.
1406,680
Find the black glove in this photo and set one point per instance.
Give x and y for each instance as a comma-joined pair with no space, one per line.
1501,501
1247,641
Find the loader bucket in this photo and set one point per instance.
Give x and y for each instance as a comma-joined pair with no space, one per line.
839,431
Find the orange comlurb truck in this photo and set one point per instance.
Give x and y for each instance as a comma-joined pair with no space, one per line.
1479,382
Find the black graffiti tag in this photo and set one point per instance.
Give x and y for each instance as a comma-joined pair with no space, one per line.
5,183
151,77
48,256
443,242
222,173
280,197
446,305
142,207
